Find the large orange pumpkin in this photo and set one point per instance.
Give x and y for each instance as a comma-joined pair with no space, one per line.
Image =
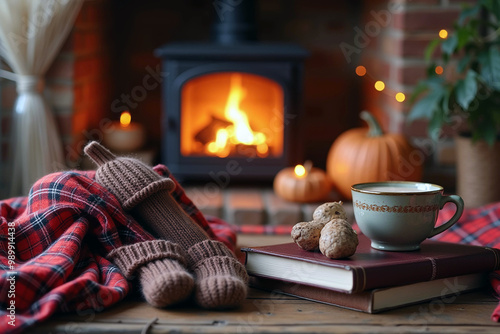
368,155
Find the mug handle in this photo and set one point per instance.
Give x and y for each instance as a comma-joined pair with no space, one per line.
459,203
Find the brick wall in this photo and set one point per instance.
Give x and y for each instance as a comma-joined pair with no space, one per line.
331,92
92,81
395,55
110,51
388,38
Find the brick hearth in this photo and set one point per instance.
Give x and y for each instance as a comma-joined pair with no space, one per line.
255,206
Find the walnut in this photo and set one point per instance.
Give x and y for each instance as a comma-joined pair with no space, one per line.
306,234
328,211
338,239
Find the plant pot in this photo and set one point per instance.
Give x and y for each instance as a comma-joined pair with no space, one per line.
478,171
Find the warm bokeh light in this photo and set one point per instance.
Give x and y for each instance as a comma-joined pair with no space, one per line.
400,97
439,70
125,118
379,85
360,70
300,171
443,33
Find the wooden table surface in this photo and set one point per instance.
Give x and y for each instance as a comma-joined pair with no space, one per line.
266,312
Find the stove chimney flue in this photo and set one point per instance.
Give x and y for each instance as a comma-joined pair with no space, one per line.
234,21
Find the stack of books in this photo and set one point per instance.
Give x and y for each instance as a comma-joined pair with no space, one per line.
371,280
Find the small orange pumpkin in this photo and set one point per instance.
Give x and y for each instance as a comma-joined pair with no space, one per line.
311,185
368,155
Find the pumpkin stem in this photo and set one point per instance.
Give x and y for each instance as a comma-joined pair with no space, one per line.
308,166
374,129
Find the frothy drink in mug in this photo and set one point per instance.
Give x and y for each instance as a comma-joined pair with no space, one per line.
398,216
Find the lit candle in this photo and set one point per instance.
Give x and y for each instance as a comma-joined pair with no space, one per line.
302,183
125,135
300,171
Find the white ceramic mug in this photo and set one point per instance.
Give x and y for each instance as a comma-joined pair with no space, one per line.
399,215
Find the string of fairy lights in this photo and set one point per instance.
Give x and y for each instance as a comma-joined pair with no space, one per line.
379,85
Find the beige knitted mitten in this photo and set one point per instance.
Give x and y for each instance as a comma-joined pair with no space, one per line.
220,279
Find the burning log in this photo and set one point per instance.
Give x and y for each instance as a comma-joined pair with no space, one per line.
208,133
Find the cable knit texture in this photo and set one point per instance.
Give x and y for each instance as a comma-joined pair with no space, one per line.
220,279
160,266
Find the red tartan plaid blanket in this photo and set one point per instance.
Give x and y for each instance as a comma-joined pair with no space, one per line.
478,226
53,247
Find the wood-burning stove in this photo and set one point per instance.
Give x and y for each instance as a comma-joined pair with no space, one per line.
232,105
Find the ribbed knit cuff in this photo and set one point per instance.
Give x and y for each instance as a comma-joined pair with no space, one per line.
129,258
205,249
152,188
220,266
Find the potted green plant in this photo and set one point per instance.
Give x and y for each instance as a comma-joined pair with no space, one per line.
467,97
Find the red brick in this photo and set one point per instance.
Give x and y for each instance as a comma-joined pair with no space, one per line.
80,120
415,47
93,13
89,41
408,46
432,19
376,68
409,75
88,67
280,211
388,99
245,207
209,200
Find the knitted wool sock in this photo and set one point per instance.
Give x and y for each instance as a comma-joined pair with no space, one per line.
146,194
221,280
141,190
160,266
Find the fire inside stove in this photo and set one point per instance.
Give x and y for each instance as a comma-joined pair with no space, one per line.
232,114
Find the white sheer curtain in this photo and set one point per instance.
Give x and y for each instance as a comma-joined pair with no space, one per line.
31,35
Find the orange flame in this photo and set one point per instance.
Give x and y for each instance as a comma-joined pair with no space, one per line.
125,119
239,132
300,171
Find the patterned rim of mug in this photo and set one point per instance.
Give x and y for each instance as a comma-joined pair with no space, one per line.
396,208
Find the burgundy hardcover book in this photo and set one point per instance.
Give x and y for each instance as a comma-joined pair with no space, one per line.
369,268
377,300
